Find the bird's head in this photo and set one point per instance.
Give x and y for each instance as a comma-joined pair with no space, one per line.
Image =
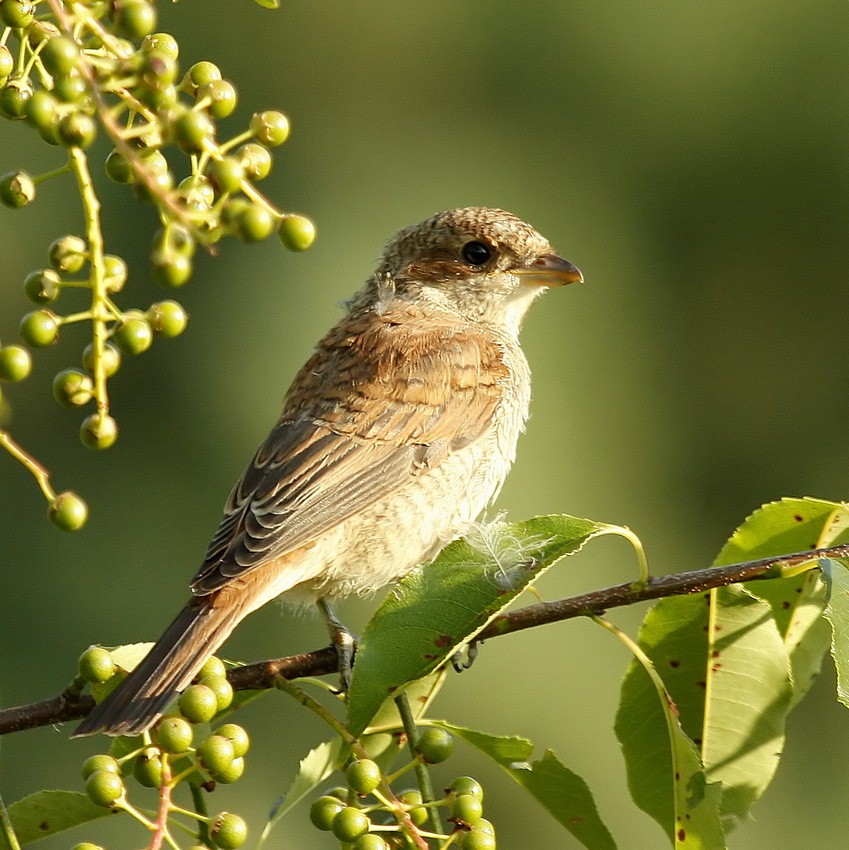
485,264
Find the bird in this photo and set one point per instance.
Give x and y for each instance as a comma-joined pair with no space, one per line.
394,437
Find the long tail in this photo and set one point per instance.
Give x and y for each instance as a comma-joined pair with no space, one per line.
199,629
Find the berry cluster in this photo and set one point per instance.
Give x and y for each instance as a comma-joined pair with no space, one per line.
73,70
171,754
367,815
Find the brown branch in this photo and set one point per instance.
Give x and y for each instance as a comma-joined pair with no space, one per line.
261,675
675,584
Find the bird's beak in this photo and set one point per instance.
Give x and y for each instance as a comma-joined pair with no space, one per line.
548,270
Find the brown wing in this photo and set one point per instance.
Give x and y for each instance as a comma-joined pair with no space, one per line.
383,399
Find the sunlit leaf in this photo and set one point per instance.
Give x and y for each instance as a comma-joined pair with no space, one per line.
838,615
439,609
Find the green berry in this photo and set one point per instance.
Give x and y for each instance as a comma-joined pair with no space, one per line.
40,32
98,431
237,735
370,841
193,131
435,745
338,792
70,88
60,55
104,788
466,785
17,189
200,74
158,184
133,336
68,254
296,232
118,169
171,268
73,388
466,809
350,824
255,159
198,191
475,839
7,62
219,96
228,831
159,69
114,273
161,41
483,825
363,776
97,666
41,110
412,799
227,174
43,286
324,811
158,97
111,359
198,703
14,96
76,130
232,211
40,328
231,773
168,319
100,762
213,666
175,237
17,13
270,128
253,223
15,363
147,768
68,511
86,845
49,132
222,689
134,18
174,734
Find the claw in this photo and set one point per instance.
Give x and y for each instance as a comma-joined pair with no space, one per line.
459,663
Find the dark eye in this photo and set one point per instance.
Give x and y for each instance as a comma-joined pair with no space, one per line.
476,253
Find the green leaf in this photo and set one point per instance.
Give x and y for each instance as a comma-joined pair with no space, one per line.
437,610
556,788
681,799
793,525
837,613
748,696
672,636
314,768
47,812
734,661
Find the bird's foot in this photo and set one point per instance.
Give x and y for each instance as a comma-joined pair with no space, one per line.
343,640
464,658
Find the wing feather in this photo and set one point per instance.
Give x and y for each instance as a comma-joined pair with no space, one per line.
385,398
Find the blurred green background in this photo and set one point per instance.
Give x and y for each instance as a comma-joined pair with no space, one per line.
691,158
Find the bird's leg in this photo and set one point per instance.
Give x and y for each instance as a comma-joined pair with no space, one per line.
342,639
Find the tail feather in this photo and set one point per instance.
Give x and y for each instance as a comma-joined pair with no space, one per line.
199,629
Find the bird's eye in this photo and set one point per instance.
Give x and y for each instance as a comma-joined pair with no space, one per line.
476,253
